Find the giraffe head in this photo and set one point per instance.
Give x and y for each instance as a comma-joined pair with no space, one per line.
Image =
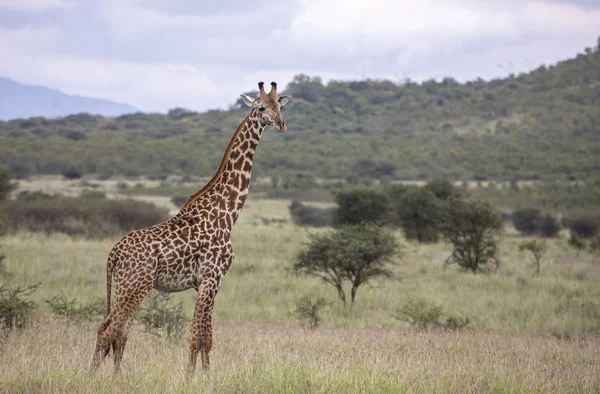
268,106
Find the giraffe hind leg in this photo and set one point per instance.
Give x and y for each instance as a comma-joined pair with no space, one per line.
114,329
103,343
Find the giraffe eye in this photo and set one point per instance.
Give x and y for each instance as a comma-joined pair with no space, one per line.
261,109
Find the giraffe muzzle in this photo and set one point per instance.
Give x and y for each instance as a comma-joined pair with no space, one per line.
281,126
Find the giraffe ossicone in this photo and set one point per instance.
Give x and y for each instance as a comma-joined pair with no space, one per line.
192,249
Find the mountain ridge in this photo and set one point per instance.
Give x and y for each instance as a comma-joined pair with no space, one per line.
19,101
544,124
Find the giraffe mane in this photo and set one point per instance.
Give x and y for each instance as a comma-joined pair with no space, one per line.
220,170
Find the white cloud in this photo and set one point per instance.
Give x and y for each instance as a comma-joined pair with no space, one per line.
376,27
148,86
36,5
130,19
27,40
171,58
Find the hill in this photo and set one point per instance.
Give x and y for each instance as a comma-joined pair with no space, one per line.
24,101
544,124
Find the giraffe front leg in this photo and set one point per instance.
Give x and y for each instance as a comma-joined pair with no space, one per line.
201,335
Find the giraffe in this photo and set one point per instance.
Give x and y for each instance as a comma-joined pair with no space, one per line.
192,249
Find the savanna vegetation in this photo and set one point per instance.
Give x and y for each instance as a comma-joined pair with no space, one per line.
346,278
421,326
537,125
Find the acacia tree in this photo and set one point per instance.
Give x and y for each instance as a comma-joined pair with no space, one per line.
418,211
470,227
353,254
361,205
537,249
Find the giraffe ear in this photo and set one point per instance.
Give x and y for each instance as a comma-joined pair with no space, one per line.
283,100
249,101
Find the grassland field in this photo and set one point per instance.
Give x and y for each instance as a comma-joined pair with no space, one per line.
527,334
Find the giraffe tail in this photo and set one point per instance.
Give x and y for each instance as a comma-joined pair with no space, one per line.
109,272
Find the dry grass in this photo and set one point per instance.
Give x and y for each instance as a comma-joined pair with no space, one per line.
53,358
259,287
528,334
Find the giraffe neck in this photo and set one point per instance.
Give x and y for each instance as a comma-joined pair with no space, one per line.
228,188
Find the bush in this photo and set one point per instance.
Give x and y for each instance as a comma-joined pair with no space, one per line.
72,173
576,242
81,216
537,249
34,195
307,311
159,314
470,227
584,227
99,194
354,254
15,307
3,271
179,201
395,192
595,244
72,310
6,183
443,189
305,215
549,226
418,211
527,221
419,313
361,205
75,135
423,314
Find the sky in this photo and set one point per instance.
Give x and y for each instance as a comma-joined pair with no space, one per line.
200,54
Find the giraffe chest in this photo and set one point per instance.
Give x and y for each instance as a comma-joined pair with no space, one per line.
179,267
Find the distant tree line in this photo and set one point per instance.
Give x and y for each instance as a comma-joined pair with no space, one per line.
538,125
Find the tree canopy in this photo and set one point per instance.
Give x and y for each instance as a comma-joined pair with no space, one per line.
541,124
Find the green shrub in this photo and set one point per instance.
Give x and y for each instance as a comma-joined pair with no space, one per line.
423,314
15,307
576,242
443,189
307,311
122,186
75,135
420,313
595,244
353,254
537,249
6,183
72,173
361,205
549,226
527,221
418,211
33,195
584,227
159,314
179,201
470,227
93,194
305,215
81,216
61,305
3,270
455,322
